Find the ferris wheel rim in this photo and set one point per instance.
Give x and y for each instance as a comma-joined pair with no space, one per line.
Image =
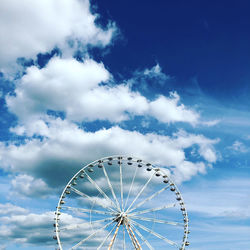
129,209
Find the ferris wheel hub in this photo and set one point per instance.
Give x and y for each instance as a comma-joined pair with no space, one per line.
122,216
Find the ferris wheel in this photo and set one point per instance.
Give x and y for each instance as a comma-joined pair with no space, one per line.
121,202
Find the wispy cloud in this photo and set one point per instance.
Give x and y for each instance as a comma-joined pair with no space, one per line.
239,147
221,198
210,123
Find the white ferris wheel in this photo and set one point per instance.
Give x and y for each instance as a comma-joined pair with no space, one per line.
121,202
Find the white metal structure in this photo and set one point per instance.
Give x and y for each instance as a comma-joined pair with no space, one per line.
121,202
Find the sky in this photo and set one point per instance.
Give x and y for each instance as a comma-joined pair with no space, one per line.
166,81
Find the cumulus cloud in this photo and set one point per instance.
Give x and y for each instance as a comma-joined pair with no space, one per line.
187,169
206,149
168,110
9,209
27,186
29,27
18,225
29,228
65,147
62,86
77,89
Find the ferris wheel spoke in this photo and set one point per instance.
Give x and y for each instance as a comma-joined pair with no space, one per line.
90,199
131,237
155,234
124,242
75,226
90,236
115,234
121,184
130,188
153,209
99,189
105,239
158,221
111,188
87,210
149,198
143,188
136,241
142,238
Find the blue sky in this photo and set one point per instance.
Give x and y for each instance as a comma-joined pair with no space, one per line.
167,81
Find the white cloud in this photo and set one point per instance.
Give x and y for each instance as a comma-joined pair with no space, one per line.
154,70
154,75
239,147
18,225
75,88
220,198
65,147
62,86
31,27
206,150
113,103
210,123
9,209
168,110
27,186
187,169
27,228
37,228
